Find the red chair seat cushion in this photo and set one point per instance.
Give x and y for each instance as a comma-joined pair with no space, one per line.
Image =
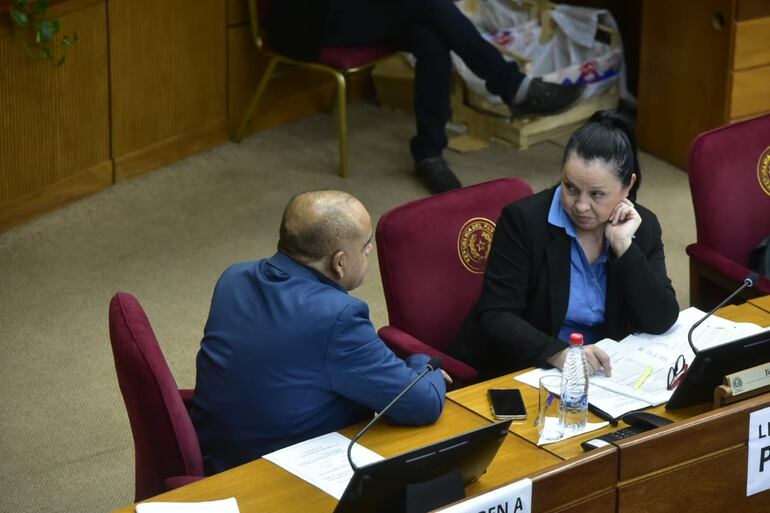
353,57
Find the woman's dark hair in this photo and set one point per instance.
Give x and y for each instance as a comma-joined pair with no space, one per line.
608,136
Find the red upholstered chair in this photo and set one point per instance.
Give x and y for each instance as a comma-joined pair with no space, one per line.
432,254
339,62
730,186
167,453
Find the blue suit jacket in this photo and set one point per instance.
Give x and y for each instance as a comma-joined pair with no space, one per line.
288,355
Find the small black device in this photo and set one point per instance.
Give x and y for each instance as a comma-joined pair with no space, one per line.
423,479
638,421
507,403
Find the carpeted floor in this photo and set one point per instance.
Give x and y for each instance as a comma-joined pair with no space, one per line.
65,441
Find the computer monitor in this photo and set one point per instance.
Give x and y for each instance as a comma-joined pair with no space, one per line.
437,472
710,366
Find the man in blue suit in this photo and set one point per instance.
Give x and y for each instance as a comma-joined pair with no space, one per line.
288,355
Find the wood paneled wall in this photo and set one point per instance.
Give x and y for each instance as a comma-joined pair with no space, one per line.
168,67
147,83
54,121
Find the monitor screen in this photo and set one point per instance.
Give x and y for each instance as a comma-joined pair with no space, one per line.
384,485
710,366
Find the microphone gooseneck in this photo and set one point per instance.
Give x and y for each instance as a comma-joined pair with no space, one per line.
750,280
433,364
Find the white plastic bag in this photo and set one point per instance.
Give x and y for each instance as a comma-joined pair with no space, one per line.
570,55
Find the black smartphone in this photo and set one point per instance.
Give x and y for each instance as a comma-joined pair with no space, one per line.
506,403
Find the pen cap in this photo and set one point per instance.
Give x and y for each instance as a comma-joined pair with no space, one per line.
576,339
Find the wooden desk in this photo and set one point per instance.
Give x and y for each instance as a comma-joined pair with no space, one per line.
474,397
262,486
762,303
698,465
686,464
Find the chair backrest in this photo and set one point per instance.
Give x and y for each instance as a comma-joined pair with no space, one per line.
165,442
432,254
730,185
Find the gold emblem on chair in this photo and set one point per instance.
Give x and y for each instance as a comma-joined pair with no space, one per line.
763,170
474,243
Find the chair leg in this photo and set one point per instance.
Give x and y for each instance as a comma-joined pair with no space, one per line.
342,117
254,102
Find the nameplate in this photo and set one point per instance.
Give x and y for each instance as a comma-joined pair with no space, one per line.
748,379
513,498
758,474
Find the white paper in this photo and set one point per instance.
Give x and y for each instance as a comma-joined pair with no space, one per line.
222,506
758,475
323,461
608,401
515,497
568,433
640,362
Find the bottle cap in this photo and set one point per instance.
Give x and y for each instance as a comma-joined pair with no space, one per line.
576,339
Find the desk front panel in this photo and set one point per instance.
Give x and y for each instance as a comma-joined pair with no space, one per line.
714,484
698,463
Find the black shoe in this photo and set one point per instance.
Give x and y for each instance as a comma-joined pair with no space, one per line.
546,98
436,175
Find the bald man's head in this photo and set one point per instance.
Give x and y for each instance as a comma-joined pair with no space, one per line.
316,224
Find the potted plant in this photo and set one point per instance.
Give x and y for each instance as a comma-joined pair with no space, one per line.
38,32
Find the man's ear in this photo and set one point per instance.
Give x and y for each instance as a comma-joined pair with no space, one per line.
339,261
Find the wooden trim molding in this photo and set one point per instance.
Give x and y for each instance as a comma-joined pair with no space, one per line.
55,195
170,150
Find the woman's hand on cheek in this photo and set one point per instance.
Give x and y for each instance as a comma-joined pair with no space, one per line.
621,226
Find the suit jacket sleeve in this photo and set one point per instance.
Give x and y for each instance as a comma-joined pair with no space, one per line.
648,298
362,368
506,295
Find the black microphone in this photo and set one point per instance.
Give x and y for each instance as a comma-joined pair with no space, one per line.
750,280
433,364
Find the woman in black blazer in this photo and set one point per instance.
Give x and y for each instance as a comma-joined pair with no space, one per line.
581,256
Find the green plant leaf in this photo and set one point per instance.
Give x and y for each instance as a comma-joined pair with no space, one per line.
41,6
46,30
60,61
46,52
19,18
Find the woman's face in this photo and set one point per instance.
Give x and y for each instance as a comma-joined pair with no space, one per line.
590,191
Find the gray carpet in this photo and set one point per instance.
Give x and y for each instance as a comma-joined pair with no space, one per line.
65,441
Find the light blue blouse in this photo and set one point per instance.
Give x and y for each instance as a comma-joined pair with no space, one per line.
588,282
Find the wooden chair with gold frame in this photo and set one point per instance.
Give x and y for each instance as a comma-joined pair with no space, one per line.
339,62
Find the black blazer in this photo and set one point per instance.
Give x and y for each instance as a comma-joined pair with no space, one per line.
296,28
516,320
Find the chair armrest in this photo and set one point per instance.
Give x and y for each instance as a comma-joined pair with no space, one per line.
174,482
404,345
729,268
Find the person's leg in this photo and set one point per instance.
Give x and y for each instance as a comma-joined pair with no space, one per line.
432,81
462,37
504,79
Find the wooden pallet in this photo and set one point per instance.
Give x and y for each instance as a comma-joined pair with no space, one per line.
486,121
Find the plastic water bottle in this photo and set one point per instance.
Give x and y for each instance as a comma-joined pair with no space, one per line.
573,409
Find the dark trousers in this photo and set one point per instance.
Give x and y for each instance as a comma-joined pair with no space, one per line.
429,29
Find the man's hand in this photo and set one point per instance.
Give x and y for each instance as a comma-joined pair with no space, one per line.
595,358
